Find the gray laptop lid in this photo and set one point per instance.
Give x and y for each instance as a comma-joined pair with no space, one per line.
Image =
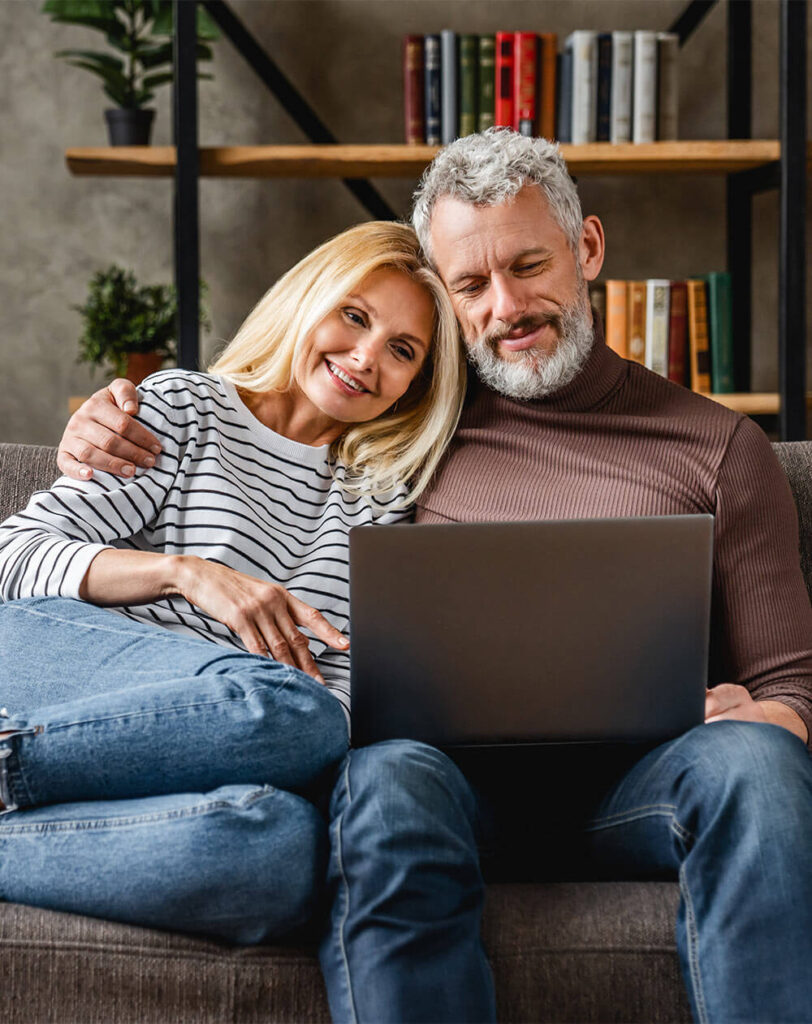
575,630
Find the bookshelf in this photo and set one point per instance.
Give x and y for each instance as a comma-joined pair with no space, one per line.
748,165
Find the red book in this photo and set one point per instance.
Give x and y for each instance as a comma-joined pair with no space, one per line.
548,97
503,100
413,103
678,334
525,81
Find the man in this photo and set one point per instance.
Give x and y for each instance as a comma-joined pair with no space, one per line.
560,427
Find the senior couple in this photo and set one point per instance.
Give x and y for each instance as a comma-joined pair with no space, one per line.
199,720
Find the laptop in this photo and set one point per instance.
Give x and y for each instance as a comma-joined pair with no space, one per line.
593,630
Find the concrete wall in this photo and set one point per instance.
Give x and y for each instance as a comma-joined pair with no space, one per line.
56,230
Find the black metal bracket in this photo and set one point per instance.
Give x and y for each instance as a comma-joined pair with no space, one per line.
691,18
291,100
187,240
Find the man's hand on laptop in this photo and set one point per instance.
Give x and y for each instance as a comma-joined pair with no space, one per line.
102,434
727,701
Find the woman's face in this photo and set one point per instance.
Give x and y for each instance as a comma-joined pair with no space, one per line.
365,354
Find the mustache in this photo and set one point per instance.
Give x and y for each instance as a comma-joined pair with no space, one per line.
524,323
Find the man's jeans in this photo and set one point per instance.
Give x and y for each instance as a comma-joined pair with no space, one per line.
158,779
726,809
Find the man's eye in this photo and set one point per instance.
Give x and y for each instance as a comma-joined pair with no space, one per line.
528,267
472,288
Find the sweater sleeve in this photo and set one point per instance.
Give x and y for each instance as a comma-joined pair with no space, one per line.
759,591
46,549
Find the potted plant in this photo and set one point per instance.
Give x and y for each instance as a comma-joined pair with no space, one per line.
128,326
140,34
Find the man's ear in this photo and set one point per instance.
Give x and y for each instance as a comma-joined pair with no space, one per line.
591,248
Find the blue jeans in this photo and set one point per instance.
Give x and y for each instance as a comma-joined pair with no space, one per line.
726,809
157,779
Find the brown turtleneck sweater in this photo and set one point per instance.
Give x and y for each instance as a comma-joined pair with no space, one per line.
622,441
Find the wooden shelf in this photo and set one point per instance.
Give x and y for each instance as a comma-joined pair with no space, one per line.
401,161
754,403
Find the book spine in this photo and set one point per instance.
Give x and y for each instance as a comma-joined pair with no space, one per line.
584,47
547,101
604,86
698,345
431,69
621,116
644,88
468,83
525,82
616,327
504,97
597,299
720,332
658,294
487,79
449,123
636,322
678,334
667,85
565,96
413,90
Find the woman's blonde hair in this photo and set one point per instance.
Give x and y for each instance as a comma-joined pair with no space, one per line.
404,444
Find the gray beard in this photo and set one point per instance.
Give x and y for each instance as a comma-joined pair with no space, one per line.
533,374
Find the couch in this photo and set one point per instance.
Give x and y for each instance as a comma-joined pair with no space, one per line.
565,951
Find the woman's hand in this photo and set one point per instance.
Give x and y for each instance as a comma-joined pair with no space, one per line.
264,615
728,701
102,434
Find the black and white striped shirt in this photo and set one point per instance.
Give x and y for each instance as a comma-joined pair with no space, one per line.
224,488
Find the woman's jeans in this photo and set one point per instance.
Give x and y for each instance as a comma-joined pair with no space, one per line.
157,779
725,809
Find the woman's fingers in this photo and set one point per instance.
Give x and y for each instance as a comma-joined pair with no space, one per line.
307,616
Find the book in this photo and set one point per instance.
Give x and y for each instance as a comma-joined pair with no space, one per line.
621,92
583,44
644,87
548,49
615,325
564,119
667,85
658,297
468,84
413,90
525,78
678,334
636,321
698,345
449,125
487,75
604,87
720,332
597,299
431,92
503,81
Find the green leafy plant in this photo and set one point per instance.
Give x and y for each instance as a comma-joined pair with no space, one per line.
120,317
141,32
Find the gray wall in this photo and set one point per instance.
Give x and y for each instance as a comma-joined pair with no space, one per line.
345,57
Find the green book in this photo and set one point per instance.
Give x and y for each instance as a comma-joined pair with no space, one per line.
468,83
720,328
487,77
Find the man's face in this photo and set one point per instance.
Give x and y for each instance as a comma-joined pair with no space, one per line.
518,289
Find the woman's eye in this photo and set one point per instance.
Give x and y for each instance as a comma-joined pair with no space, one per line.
355,317
404,352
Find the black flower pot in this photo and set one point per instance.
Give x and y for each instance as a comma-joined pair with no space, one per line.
129,127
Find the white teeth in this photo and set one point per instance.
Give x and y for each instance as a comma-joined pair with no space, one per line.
344,376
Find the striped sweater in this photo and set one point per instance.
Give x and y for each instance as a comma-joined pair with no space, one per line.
622,441
224,488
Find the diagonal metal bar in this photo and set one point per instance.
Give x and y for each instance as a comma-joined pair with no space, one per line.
690,19
292,100
187,230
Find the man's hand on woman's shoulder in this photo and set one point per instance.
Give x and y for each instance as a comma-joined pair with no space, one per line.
102,434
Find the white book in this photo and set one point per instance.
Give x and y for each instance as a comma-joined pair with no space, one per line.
620,118
644,89
584,46
658,308
667,85
448,86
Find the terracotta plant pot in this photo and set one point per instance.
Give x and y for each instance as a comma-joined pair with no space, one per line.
142,364
129,127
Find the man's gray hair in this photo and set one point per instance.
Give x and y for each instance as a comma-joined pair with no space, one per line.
491,168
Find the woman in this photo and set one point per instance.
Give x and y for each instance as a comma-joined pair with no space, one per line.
161,763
